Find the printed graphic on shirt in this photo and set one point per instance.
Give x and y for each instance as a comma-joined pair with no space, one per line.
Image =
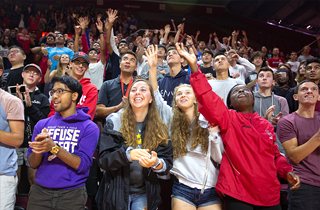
66,136
139,141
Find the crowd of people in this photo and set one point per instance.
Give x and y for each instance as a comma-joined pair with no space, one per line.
223,119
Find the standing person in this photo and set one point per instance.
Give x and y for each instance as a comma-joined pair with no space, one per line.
36,107
206,68
275,59
241,71
293,62
79,65
96,68
12,76
174,78
305,54
284,82
11,137
61,149
248,146
258,62
300,136
125,143
190,147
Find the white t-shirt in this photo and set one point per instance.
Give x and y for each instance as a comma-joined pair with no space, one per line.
95,73
222,87
245,69
294,65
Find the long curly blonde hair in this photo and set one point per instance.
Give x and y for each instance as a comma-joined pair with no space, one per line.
180,129
156,132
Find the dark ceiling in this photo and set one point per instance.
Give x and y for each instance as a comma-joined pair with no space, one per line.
299,15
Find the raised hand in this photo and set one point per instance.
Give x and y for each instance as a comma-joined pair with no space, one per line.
244,33
99,25
152,55
82,23
190,57
167,29
198,32
161,32
86,21
274,120
77,29
180,26
210,36
112,15
189,40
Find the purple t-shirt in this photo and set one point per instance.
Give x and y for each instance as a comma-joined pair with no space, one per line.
295,126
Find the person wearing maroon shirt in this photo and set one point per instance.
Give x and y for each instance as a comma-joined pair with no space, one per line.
275,59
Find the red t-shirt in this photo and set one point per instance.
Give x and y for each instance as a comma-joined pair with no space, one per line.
274,63
25,42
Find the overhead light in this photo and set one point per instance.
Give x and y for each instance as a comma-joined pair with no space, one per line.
308,27
280,21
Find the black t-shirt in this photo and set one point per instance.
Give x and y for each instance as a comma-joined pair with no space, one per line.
110,93
11,77
208,70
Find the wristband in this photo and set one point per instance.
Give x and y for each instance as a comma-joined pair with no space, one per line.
157,164
102,32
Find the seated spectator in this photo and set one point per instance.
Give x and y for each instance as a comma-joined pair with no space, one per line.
275,59
12,76
284,82
58,157
113,94
305,54
299,135
242,70
36,107
89,97
11,137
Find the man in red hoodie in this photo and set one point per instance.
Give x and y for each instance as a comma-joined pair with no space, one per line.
89,98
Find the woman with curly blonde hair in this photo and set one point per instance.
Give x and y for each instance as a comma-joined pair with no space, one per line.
196,175
134,149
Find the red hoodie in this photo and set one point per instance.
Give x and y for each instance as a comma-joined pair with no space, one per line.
251,160
88,99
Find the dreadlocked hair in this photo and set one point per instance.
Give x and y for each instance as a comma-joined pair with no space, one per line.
156,132
180,129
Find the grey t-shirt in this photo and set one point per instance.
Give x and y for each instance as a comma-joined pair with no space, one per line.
137,184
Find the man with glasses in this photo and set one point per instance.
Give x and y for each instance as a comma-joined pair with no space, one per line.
79,65
13,76
113,94
36,107
61,149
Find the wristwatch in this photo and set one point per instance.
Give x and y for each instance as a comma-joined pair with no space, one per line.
156,164
55,149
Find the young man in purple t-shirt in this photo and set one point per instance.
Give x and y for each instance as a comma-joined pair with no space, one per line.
61,149
299,134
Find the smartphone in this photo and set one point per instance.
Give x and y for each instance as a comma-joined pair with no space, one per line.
283,74
13,89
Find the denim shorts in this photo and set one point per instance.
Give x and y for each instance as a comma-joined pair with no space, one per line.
194,197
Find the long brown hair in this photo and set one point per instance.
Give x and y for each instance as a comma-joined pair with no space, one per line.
156,132
300,77
59,71
180,129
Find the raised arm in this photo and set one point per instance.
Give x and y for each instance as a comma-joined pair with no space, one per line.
176,38
166,34
245,38
77,31
112,16
99,25
234,39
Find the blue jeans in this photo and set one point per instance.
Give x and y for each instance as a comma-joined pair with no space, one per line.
137,201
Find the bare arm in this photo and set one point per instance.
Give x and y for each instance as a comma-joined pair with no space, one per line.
298,153
77,30
102,111
112,16
252,83
234,40
174,26
166,34
139,53
197,35
36,50
245,38
99,25
176,38
15,137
